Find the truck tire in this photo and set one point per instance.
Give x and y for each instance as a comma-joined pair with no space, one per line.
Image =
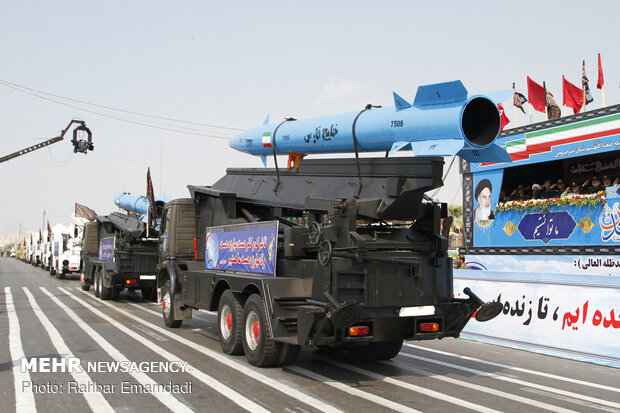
106,292
85,287
288,354
116,291
260,349
366,352
167,307
149,293
97,283
230,321
390,350
376,351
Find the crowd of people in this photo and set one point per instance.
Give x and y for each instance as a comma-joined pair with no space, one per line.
558,189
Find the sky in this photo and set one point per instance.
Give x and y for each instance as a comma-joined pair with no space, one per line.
204,71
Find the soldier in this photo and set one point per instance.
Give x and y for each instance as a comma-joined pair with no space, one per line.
596,186
557,189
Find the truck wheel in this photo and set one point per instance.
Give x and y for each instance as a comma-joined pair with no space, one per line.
288,354
366,352
115,293
149,293
167,307
260,349
85,287
105,293
390,350
97,283
230,316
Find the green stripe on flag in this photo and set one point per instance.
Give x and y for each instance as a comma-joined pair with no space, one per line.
574,126
266,133
516,142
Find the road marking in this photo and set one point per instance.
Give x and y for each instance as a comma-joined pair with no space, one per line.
224,390
95,400
353,391
149,333
226,360
24,399
477,387
165,398
528,371
516,381
409,386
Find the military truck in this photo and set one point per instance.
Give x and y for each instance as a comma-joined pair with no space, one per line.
339,253
116,255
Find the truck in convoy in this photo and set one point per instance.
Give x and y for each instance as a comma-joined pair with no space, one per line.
338,253
116,255
65,255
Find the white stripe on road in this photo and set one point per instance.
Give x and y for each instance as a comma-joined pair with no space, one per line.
165,398
516,381
478,388
528,371
226,360
224,390
95,400
353,391
409,386
24,399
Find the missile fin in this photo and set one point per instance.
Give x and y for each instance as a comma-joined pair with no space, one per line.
493,153
500,95
400,103
397,146
440,94
437,147
266,122
264,159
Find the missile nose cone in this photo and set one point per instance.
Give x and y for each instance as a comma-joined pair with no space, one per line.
239,142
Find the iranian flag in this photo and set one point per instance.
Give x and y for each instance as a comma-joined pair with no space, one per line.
267,140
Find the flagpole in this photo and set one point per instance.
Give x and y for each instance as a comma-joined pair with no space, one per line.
545,95
514,114
603,95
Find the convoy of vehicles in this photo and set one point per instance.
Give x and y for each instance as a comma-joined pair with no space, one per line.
348,253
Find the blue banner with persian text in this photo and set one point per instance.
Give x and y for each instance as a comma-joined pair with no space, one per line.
246,247
556,226
106,249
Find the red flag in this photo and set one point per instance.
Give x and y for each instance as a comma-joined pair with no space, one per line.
599,84
572,95
536,95
504,119
49,231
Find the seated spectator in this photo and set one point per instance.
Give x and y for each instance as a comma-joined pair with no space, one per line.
596,186
573,189
519,194
556,190
585,187
546,189
537,193
503,197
